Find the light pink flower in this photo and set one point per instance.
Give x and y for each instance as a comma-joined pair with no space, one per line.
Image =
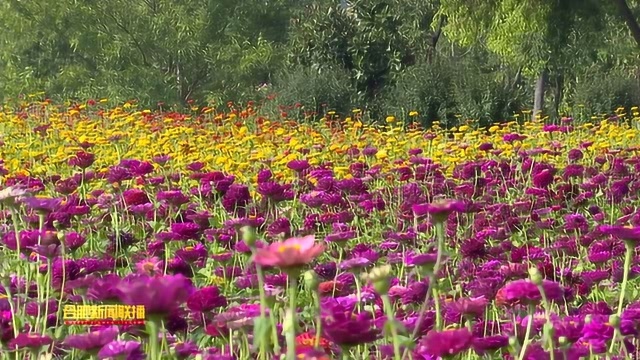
291,253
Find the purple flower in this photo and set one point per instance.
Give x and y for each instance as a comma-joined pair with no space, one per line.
42,205
630,234
192,254
490,344
11,194
186,349
82,160
30,341
526,292
471,307
298,165
186,231
92,341
357,263
340,237
159,295
438,210
173,197
206,299
345,328
122,349
447,343
419,260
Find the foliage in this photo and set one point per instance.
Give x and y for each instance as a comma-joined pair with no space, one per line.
316,89
491,52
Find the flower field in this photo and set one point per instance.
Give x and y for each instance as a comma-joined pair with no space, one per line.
132,234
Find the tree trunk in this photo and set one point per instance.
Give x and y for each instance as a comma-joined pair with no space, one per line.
557,96
435,38
538,97
628,17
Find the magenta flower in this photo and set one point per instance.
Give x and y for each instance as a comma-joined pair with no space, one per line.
10,194
631,234
92,341
122,349
82,159
30,341
206,299
150,266
447,343
346,328
291,253
42,205
159,295
526,292
439,210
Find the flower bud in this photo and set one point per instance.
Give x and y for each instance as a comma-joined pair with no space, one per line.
289,321
311,280
57,225
379,277
249,236
61,236
563,341
614,320
535,276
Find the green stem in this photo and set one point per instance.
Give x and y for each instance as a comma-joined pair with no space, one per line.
14,220
263,307
625,274
527,333
291,333
153,330
13,309
432,280
345,353
392,325
316,342
547,316
436,302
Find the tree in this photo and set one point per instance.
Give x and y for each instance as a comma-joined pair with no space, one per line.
372,39
148,49
543,37
629,18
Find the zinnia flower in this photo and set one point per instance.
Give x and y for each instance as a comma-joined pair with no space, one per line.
630,234
92,341
447,343
345,328
439,210
159,295
291,253
526,292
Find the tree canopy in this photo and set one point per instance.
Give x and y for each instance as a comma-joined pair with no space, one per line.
215,51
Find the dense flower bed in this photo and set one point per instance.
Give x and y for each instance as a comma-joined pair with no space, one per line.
242,237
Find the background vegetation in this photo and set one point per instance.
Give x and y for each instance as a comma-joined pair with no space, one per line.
447,59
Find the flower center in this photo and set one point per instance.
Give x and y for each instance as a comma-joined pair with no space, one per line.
148,266
284,248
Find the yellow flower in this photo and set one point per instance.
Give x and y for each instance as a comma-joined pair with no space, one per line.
381,154
413,113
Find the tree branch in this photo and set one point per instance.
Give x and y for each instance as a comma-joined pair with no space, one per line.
136,43
629,18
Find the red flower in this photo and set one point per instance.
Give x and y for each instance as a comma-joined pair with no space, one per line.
307,340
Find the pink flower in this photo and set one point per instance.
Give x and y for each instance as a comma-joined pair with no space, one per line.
151,266
291,253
